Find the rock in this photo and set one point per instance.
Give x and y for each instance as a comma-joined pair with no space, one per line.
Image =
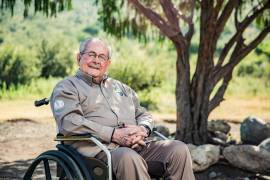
218,125
248,157
254,130
265,144
212,175
217,138
204,156
191,147
216,141
221,135
163,130
232,142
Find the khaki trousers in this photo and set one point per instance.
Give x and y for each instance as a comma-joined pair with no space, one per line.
128,164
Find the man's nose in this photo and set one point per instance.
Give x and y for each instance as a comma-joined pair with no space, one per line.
96,60
93,60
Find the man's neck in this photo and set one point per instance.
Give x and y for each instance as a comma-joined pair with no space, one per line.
97,80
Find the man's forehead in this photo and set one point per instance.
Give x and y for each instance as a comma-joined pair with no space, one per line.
97,45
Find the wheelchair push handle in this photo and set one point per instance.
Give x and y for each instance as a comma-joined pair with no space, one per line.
42,102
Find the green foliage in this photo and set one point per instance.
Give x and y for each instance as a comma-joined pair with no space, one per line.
249,87
264,48
17,67
57,59
136,74
45,6
149,99
38,88
255,66
137,68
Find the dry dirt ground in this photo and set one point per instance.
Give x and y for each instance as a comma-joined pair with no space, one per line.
26,131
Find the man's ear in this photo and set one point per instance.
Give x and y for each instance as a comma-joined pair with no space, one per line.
109,62
78,58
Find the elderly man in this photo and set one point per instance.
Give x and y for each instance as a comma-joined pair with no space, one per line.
91,102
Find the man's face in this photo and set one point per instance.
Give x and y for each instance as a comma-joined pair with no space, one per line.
94,60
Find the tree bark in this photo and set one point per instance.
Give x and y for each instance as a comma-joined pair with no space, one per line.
184,127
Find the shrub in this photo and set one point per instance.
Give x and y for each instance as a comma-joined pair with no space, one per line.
56,59
138,75
142,76
16,67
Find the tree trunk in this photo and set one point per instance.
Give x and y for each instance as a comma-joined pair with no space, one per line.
192,113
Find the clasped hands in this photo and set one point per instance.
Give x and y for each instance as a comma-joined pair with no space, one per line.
130,136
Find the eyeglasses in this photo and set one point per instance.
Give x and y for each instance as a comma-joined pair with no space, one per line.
92,55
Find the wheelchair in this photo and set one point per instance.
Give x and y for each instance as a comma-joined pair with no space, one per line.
66,163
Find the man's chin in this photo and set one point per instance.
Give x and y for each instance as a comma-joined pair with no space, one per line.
93,73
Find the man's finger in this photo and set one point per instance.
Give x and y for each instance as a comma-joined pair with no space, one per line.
136,139
128,141
130,126
138,133
134,146
141,142
132,132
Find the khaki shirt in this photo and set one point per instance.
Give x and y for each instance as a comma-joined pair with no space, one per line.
80,106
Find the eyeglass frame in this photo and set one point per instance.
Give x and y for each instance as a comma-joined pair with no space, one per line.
94,55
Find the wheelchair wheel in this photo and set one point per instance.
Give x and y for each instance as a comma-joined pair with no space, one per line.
49,163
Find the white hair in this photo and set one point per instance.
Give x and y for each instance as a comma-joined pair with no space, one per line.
84,43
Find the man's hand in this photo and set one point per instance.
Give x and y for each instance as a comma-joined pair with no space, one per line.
122,136
138,134
130,136
137,130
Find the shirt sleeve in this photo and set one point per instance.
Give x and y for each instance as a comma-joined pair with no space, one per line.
69,116
142,116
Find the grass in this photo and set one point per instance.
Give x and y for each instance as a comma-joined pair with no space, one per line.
37,89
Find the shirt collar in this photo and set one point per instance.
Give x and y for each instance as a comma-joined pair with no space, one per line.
88,78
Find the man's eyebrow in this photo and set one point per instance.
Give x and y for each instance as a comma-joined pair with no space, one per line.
91,52
95,53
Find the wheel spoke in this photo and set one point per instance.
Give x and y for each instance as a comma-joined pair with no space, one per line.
47,169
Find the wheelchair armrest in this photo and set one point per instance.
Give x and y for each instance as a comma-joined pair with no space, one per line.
78,137
89,137
160,135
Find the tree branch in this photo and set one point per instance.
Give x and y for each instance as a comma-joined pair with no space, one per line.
242,26
240,52
236,21
217,8
190,32
225,15
253,44
155,18
171,14
188,19
219,96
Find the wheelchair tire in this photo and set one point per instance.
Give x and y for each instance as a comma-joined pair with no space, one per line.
78,158
68,166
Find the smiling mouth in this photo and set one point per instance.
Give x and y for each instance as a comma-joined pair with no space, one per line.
94,67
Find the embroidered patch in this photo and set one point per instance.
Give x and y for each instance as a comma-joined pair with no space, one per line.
118,90
58,104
